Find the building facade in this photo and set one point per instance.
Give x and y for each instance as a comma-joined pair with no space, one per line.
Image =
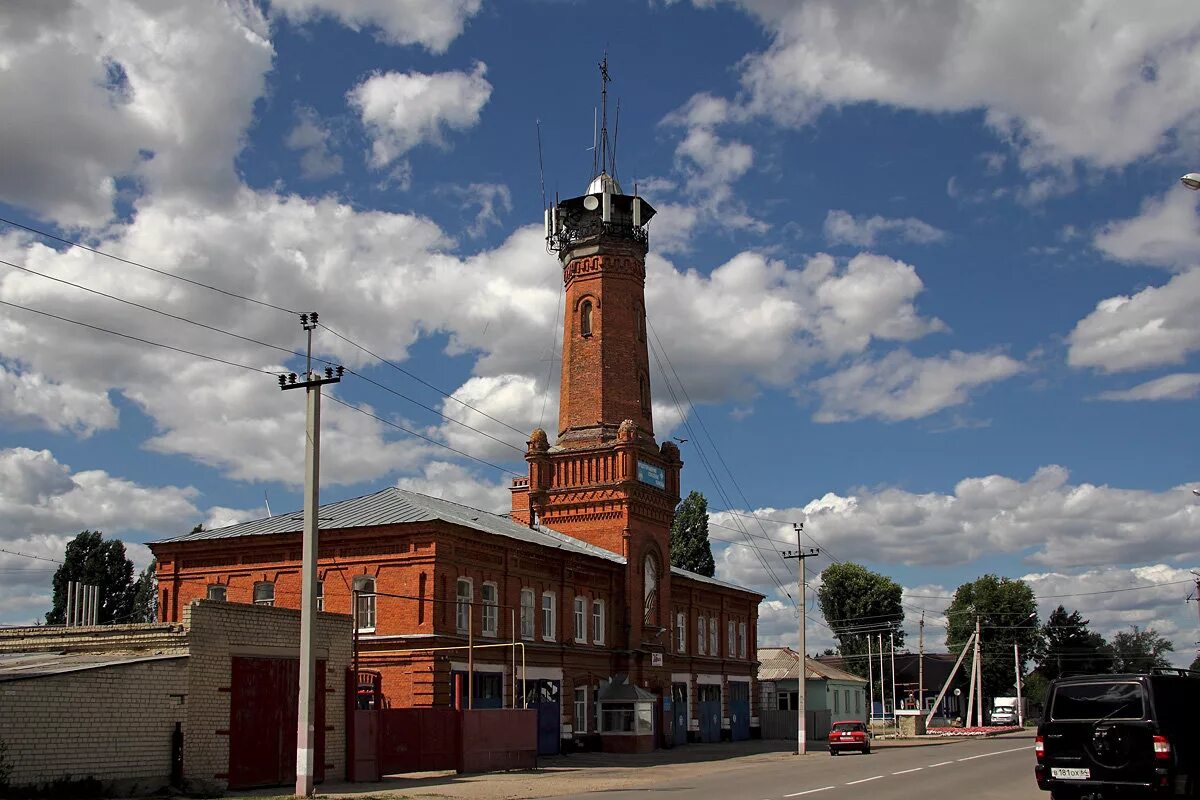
561,602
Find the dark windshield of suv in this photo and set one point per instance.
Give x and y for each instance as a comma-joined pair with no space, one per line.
1100,700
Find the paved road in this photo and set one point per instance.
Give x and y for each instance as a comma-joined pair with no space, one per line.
979,770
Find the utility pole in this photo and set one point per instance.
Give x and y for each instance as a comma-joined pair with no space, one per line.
1017,659
802,671
921,665
979,673
870,682
305,728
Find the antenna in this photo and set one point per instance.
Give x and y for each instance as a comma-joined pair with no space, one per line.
268,502
603,144
541,170
616,133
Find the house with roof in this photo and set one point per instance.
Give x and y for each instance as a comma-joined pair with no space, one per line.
830,695
568,602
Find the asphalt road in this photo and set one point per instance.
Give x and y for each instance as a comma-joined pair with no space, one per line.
979,770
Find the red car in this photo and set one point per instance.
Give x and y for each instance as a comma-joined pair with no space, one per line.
851,735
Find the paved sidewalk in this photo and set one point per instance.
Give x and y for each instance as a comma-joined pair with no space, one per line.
594,772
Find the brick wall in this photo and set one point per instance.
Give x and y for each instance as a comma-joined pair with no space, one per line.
113,724
92,638
219,631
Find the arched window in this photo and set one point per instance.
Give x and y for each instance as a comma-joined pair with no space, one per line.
650,588
216,591
640,313
264,594
644,392
585,318
364,585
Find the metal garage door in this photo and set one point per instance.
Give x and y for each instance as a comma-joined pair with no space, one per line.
708,711
263,701
739,710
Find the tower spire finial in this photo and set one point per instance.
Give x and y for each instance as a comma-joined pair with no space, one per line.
600,156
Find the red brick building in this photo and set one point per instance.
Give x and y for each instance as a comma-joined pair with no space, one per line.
614,640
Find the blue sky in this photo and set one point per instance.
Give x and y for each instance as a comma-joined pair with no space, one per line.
925,270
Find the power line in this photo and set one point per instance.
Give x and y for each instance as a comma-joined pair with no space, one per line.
28,555
156,270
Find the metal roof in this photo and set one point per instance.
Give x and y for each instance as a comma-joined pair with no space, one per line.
683,573
782,664
22,666
394,506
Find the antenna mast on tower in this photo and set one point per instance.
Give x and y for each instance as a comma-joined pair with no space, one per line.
601,155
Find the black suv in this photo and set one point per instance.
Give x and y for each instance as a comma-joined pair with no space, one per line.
1120,736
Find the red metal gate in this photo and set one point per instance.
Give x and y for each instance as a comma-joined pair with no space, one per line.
418,739
263,704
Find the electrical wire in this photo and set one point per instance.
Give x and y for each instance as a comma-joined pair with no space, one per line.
27,555
156,270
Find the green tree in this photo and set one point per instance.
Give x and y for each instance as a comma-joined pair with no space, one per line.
145,594
1072,648
1138,650
1195,667
1007,613
690,549
858,603
95,561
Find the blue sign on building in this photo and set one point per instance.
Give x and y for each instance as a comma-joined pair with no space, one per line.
651,474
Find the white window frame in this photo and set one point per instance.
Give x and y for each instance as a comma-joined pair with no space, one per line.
264,601
680,632
462,609
741,639
597,621
491,608
731,631
320,595
581,619
528,613
701,634
217,589
549,616
581,718
364,585
714,638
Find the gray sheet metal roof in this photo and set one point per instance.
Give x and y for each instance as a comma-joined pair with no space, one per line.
683,573
394,506
782,663
23,666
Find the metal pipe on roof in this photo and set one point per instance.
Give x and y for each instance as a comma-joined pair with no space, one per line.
67,607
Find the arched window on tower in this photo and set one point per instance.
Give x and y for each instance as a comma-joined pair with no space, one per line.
640,313
650,589
585,318
644,392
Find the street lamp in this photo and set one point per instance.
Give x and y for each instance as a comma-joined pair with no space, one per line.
1191,180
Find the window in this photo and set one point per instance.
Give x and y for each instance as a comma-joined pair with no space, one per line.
627,718
742,639
264,594
364,588
644,392
858,701
680,632
462,608
700,635
216,592
837,706
650,589
714,636
527,613
320,595
788,701
585,318
580,619
731,631
581,709
597,622
548,616
640,313
491,609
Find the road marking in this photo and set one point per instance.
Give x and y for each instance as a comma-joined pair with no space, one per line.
906,771
995,753
864,780
808,791
940,764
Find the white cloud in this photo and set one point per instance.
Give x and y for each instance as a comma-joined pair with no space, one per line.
27,399
1180,386
401,110
128,102
311,138
492,200
1166,233
842,227
1122,81
901,386
1155,327
460,485
433,24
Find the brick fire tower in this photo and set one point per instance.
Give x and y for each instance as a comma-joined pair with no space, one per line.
606,481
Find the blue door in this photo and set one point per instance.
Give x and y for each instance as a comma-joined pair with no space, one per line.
739,710
544,697
708,711
679,711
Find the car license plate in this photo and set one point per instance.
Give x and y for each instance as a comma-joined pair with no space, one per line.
1070,773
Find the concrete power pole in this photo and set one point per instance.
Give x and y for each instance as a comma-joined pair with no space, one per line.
921,665
802,670
305,726
979,674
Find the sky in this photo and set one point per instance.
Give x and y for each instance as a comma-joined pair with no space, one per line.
922,276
